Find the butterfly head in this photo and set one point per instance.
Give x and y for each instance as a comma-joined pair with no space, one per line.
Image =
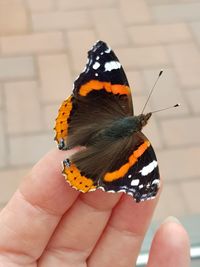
143,119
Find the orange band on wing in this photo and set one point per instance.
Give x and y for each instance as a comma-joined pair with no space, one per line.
111,176
61,126
76,180
110,88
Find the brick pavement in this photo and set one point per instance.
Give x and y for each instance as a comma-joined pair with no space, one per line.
43,47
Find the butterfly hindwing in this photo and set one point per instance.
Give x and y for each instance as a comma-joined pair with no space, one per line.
142,180
128,165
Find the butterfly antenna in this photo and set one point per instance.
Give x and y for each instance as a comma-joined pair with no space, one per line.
160,73
174,106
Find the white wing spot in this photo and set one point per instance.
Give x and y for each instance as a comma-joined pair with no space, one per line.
96,65
129,176
135,182
149,168
108,50
97,58
112,65
96,74
156,181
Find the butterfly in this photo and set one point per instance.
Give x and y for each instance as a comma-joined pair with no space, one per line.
99,116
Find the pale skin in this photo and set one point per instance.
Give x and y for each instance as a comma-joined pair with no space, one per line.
47,223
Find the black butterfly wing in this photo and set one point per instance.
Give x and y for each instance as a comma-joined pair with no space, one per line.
101,94
142,180
128,165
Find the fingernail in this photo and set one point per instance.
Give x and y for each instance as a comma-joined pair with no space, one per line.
171,219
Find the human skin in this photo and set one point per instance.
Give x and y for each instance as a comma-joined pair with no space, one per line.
47,223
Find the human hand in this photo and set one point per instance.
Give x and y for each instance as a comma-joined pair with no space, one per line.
47,223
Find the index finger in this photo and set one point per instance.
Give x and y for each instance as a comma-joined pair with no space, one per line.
31,216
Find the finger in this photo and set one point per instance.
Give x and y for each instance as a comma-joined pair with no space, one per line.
170,247
121,241
79,230
31,216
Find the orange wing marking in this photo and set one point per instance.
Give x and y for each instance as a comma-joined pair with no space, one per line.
61,126
110,88
111,176
76,180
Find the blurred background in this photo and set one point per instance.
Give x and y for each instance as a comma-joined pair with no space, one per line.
43,47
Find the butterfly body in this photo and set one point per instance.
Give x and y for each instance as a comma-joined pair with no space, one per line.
99,116
121,128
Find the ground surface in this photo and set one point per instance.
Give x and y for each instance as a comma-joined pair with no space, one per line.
43,47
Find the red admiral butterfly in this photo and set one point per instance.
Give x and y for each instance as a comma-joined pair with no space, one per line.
99,116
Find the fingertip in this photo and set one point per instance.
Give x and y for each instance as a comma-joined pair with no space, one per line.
173,228
170,246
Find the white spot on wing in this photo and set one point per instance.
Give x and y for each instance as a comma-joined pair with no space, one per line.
112,65
97,58
149,168
96,65
135,182
108,50
156,181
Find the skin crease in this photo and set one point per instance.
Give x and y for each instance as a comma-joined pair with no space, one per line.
47,223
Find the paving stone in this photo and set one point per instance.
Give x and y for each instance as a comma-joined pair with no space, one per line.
181,131
186,58
56,83
190,190
38,5
150,56
167,93
9,181
3,149
159,33
22,107
115,26
134,11
195,26
60,20
193,97
179,163
29,149
32,43
13,17
155,2
176,12
1,96
76,4
79,43
174,207
50,114
136,82
9,68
